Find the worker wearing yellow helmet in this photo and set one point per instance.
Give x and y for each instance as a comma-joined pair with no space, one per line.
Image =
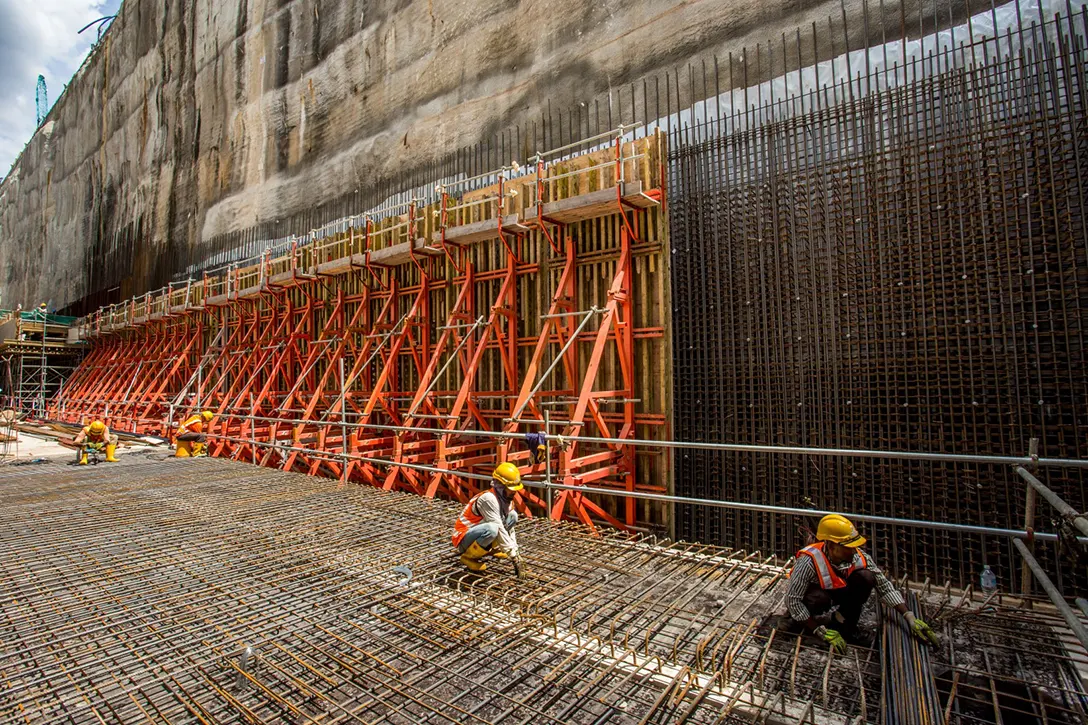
486,526
190,439
96,435
834,571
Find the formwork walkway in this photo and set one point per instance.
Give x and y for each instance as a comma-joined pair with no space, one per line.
131,593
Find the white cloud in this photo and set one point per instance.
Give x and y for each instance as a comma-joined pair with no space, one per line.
39,37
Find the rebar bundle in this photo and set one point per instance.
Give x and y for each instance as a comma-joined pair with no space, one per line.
910,693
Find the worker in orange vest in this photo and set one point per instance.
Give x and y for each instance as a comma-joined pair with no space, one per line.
96,435
834,571
190,438
486,526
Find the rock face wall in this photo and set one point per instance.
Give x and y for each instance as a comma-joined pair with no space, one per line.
197,118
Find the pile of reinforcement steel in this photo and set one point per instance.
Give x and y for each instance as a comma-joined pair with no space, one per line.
206,591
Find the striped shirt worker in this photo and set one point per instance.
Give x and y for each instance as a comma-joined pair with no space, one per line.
804,575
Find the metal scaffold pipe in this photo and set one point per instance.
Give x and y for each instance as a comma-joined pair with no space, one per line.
696,445
1068,512
1056,597
737,505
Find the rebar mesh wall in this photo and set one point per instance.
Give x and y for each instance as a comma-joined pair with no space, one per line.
895,262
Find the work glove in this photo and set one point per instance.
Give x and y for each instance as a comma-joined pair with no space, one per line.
538,444
833,638
921,630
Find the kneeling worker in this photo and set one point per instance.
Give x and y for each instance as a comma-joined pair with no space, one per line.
486,526
96,435
835,571
190,437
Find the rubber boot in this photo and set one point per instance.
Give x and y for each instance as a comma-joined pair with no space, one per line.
83,458
471,557
110,450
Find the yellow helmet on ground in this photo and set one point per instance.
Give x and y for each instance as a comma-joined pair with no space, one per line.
508,475
97,428
837,528
206,416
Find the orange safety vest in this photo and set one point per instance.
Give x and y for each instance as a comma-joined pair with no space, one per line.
467,519
195,424
828,576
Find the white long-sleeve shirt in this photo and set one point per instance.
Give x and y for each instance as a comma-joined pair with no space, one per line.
487,506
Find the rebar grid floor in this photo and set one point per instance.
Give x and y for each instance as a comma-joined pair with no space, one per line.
131,592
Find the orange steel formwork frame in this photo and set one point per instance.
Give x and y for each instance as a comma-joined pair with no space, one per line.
130,380
497,309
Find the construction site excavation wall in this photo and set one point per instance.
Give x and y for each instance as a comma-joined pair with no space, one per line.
201,125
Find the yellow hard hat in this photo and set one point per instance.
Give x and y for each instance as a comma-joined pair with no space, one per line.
98,428
837,528
509,476
207,415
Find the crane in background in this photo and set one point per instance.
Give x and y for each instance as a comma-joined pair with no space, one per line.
41,99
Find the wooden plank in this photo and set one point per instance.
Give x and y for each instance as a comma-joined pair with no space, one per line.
342,265
248,292
480,231
592,205
392,256
290,278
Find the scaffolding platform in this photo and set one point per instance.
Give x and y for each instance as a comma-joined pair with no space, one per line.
37,354
593,204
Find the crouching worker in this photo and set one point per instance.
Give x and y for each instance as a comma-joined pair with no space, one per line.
96,436
190,438
836,572
486,526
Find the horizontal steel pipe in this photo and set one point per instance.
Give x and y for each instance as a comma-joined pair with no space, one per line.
738,505
733,447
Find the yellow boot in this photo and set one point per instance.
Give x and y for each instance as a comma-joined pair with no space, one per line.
471,557
83,458
110,450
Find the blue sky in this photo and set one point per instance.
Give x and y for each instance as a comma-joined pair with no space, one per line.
39,37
